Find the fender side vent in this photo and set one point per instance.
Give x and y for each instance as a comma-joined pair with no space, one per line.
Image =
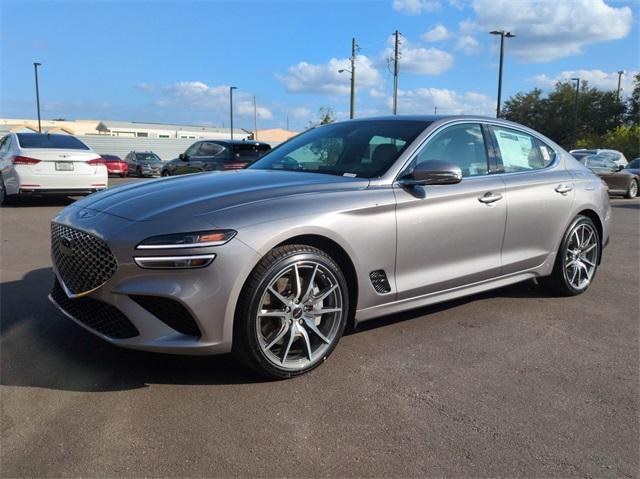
379,281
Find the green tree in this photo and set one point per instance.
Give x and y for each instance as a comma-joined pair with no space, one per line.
632,115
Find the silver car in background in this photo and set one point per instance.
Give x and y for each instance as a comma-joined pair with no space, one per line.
345,222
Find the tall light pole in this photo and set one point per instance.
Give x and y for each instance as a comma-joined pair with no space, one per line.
502,34
575,112
352,103
255,118
35,68
620,73
231,88
396,54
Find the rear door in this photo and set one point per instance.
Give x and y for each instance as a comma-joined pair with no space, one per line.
539,197
212,156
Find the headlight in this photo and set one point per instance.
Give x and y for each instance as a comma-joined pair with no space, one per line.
197,239
174,262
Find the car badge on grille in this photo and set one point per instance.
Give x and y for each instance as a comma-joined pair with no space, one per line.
86,214
66,246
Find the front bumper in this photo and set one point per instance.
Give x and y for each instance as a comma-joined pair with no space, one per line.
208,295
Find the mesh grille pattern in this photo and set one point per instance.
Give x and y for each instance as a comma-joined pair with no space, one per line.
97,315
170,312
379,281
83,261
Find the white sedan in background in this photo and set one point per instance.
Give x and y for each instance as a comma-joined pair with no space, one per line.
41,163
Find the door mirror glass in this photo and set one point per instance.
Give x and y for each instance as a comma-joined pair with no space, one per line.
433,172
184,157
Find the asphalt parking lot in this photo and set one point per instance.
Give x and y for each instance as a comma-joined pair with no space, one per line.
510,383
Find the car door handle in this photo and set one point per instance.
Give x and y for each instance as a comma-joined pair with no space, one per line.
489,197
563,189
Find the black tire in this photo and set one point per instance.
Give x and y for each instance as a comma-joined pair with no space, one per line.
6,199
558,282
139,172
122,175
632,192
246,345
165,173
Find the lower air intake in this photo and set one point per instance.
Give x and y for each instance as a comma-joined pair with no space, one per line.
170,312
95,314
379,281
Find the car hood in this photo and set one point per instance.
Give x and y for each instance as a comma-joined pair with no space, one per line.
200,194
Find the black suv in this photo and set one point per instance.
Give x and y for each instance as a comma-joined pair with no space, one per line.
209,155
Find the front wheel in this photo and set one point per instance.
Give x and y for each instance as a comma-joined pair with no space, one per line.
632,192
577,259
139,172
291,313
165,173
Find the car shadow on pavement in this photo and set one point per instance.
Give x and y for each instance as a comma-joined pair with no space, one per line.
40,201
631,206
42,348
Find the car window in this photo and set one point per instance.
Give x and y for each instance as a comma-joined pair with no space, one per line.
634,164
191,151
147,157
41,140
462,145
520,151
250,151
210,149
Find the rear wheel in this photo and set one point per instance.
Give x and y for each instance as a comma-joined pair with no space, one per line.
632,192
139,172
291,312
577,259
165,173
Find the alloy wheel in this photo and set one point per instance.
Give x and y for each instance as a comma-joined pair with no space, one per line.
633,189
581,256
299,316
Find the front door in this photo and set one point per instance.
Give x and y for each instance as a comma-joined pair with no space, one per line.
450,235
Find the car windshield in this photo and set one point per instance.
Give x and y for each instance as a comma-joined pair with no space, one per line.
43,140
361,148
634,164
147,157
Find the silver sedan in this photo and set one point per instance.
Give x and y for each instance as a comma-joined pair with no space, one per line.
341,224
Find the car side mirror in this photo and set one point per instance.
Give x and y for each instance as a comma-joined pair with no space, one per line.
183,157
433,172
619,167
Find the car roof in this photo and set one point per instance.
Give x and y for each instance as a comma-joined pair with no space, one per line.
235,142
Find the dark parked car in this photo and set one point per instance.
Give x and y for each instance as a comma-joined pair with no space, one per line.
144,163
634,167
115,165
212,155
620,180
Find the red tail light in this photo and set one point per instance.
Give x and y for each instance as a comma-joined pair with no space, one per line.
25,160
97,161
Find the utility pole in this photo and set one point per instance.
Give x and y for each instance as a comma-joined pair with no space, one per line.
255,118
395,73
352,106
620,73
287,122
231,88
575,112
502,34
435,110
35,68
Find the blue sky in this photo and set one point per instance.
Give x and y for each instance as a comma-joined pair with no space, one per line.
173,61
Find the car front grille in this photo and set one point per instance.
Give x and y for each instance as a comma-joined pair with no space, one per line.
95,314
83,261
170,312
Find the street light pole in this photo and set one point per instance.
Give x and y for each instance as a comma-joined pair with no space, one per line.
352,105
575,112
35,68
231,88
502,34
620,73
255,118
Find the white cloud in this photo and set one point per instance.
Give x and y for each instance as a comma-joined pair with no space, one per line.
420,60
595,78
547,30
376,93
423,101
436,34
415,7
300,112
468,44
324,78
200,96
